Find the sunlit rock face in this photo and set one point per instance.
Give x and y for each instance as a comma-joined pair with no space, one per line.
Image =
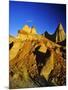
35,61
60,34
33,30
27,33
11,39
27,29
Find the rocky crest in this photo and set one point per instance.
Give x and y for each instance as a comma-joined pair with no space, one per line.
27,29
58,36
35,61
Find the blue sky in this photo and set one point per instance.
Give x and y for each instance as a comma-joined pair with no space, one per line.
45,17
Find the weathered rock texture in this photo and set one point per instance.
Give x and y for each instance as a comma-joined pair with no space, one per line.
35,61
58,36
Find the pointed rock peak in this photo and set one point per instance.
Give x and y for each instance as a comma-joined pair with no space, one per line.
60,34
33,27
46,32
26,28
33,30
60,27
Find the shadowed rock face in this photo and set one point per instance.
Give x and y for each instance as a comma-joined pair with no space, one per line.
41,58
36,62
63,43
10,45
58,36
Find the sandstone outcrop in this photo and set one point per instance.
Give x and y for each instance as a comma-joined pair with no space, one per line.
35,60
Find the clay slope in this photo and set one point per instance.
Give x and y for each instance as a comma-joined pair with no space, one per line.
36,62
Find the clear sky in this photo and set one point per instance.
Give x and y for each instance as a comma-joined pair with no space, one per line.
45,17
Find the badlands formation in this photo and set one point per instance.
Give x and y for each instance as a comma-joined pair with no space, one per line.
36,60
